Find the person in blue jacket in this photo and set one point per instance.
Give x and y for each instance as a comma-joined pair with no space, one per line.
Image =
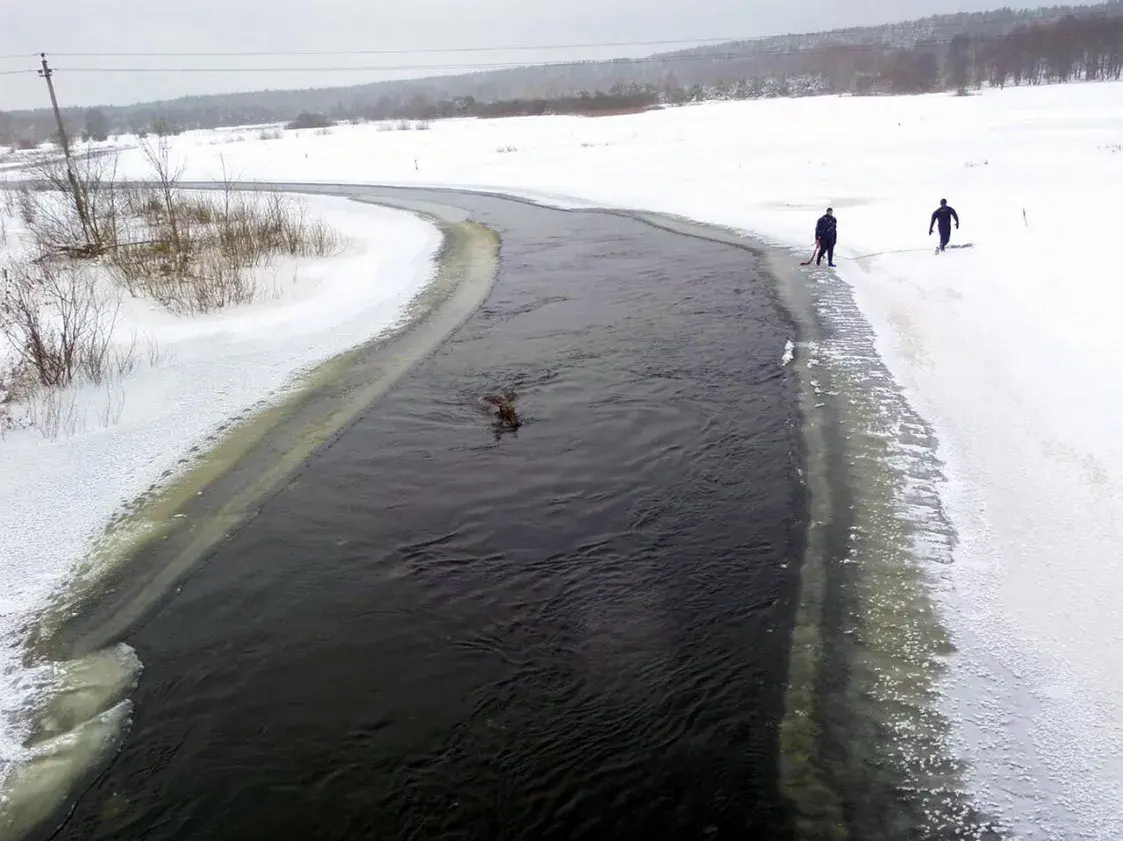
826,234
943,215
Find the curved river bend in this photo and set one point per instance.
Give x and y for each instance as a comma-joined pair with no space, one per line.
578,631
586,629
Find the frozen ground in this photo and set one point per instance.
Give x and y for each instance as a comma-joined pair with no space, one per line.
1010,348
17,159
114,442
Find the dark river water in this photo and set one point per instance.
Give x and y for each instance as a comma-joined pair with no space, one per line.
577,631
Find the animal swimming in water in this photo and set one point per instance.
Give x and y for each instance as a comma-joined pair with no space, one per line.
504,407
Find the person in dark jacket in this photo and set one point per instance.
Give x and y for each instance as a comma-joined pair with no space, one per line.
944,214
826,234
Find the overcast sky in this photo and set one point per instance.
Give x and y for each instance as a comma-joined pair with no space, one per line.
157,26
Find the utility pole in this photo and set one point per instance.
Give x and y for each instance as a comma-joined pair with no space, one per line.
47,73
79,200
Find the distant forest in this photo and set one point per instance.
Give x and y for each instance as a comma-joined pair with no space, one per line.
946,52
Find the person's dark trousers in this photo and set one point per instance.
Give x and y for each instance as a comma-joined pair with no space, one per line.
826,246
945,236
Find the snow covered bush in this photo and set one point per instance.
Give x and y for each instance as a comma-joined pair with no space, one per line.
58,321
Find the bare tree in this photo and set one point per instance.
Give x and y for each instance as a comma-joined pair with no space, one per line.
927,71
97,125
168,176
959,63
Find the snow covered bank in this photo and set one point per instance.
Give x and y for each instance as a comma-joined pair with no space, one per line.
58,493
1008,348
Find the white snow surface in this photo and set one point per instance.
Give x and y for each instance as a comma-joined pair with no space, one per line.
57,495
1010,349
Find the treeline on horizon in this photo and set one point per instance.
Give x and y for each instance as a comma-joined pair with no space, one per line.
1085,47
1070,49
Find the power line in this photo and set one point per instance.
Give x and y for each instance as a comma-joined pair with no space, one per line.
429,50
928,29
839,49
406,51
836,47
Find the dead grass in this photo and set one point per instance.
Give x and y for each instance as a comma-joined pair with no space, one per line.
92,238
190,252
7,397
59,322
405,125
202,255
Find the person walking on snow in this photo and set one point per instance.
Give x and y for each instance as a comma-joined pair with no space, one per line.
826,234
944,214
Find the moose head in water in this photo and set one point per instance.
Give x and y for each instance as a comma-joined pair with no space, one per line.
503,405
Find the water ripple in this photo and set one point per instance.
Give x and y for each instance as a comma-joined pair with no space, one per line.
576,631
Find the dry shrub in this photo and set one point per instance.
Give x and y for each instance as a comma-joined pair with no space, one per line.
207,261
7,397
59,323
189,252
195,252
53,411
405,125
168,174
74,210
